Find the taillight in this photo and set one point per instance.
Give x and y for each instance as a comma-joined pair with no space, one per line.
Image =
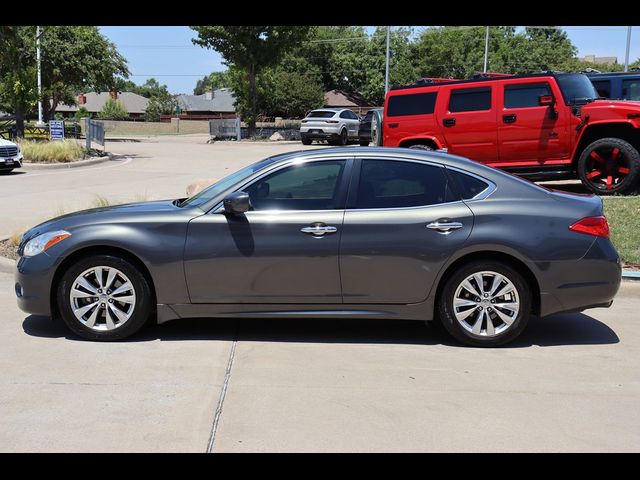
597,226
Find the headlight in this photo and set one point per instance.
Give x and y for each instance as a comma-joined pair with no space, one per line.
42,242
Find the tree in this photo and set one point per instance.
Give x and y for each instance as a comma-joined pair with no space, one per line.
291,94
81,113
213,81
158,106
250,49
113,110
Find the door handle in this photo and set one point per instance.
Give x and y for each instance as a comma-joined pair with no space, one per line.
319,229
444,227
509,118
449,122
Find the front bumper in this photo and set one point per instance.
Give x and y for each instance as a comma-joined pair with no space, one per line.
11,163
33,281
573,286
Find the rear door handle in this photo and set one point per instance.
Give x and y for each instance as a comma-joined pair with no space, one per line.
509,118
449,122
444,227
319,229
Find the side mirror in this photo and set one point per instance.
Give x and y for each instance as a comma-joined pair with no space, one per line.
546,100
236,202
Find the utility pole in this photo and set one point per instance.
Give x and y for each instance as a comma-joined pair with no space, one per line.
40,122
626,55
386,73
486,50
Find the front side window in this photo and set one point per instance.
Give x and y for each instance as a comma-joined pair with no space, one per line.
308,186
631,89
525,95
470,99
395,184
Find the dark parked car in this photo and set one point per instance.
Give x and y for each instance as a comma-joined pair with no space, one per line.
618,85
347,232
365,127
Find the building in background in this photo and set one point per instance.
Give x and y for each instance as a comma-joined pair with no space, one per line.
341,99
216,104
94,102
600,60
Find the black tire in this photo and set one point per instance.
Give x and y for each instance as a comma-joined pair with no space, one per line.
445,309
364,143
344,137
305,140
143,306
619,164
421,147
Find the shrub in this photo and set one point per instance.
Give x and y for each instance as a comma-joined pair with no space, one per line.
82,113
113,110
61,151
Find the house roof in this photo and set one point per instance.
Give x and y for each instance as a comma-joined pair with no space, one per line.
133,102
221,100
340,98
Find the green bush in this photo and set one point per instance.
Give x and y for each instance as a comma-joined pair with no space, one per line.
82,113
61,151
113,110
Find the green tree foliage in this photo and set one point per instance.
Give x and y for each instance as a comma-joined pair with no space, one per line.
113,110
251,49
82,112
211,82
158,106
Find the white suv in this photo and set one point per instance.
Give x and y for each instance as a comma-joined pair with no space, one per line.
10,156
336,125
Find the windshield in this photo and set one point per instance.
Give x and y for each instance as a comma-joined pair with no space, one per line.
576,88
220,186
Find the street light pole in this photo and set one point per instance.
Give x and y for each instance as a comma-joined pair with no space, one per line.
626,55
486,50
40,122
386,73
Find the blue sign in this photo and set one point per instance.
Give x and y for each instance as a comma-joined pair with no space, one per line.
56,129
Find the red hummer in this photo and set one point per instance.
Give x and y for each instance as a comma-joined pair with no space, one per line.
542,126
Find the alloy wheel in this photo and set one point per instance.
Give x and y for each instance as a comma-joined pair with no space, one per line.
486,303
102,298
606,168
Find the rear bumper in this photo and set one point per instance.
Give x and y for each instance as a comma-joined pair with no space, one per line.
572,286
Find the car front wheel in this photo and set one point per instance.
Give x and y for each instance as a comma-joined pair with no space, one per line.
104,297
609,166
485,304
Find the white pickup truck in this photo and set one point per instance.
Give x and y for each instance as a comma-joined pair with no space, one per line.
10,156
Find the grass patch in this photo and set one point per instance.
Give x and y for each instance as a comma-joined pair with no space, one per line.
62,151
623,214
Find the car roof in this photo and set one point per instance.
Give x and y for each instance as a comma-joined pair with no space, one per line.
614,74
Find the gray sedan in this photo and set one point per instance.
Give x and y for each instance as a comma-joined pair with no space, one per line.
343,232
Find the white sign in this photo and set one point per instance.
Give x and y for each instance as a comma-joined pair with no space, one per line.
56,129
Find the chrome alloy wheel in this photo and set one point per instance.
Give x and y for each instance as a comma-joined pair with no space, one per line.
102,298
486,303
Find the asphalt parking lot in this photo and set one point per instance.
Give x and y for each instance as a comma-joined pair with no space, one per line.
569,383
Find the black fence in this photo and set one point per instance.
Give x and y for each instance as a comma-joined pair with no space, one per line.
33,132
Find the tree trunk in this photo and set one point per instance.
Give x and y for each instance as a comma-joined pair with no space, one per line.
19,120
253,100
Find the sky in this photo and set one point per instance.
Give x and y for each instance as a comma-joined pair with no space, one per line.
167,54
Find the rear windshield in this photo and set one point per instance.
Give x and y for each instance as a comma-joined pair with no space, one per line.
412,104
321,114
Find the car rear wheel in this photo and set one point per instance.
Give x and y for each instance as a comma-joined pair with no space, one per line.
104,297
485,304
609,166
421,147
344,138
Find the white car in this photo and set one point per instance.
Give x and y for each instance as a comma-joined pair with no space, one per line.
338,126
10,156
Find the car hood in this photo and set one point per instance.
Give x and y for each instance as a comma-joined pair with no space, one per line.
7,143
612,109
126,213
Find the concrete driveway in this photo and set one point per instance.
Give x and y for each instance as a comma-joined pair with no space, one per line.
570,383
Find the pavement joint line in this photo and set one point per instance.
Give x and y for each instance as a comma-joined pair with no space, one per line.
223,393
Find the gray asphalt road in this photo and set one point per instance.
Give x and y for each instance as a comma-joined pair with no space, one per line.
571,383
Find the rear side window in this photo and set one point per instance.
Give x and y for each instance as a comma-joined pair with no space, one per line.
524,95
321,114
467,186
631,89
393,184
348,114
470,99
603,87
412,104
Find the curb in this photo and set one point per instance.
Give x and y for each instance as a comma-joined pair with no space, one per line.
81,163
630,275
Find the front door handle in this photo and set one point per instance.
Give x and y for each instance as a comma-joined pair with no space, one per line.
319,229
444,227
509,118
449,122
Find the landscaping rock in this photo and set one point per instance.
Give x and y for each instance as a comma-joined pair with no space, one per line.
276,137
